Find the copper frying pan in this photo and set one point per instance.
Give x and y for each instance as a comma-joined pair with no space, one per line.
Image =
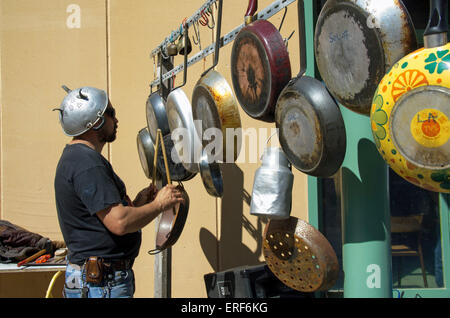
172,221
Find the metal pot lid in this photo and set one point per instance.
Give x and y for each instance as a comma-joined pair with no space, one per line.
299,255
179,115
146,151
176,168
211,175
156,115
420,127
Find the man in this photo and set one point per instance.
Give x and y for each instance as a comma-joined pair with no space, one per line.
100,224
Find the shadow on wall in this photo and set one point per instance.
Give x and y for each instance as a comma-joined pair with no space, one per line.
229,251
367,190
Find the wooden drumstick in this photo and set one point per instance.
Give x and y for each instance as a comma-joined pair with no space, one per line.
155,157
169,181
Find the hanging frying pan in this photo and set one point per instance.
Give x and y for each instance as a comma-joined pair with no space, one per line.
214,103
172,221
410,115
260,66
181,123
146,151
211,175
311,127
156,114
299,255
176,167
356,42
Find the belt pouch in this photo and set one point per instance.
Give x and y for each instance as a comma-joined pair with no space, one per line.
94,270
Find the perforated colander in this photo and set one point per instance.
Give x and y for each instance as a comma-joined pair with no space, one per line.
299,255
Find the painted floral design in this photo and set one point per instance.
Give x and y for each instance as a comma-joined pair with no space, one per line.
443,177
439,62
379,118
406,81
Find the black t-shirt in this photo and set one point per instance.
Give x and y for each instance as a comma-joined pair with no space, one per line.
85,183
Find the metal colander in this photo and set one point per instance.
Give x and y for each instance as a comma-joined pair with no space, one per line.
299,255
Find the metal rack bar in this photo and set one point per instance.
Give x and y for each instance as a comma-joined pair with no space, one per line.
266,13
175,34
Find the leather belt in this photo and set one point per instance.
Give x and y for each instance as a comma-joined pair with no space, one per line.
119,264
114,264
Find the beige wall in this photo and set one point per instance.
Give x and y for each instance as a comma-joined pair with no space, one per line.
111,50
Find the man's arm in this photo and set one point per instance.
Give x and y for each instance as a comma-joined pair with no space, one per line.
120,219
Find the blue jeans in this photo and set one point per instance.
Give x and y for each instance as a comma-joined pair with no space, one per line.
118,284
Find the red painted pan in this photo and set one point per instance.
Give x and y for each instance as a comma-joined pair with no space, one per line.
260,66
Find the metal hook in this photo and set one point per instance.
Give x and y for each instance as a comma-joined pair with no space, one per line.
267,142
286,41
205,20
282,19
196,36
212,18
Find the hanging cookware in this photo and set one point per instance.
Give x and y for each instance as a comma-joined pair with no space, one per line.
156,113
184,46
311,127
299,255
260,66
272,186
356,42
211,175
172,221
176,167
146,151
181,123
172,49
214,104
411,110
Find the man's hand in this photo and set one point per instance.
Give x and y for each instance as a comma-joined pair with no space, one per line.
145,196
168,197
120,219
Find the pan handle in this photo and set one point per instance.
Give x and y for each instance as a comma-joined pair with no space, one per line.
301,36
437,23
218,39
185,66
436,31
251,9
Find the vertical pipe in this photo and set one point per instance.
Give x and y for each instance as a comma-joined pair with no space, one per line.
444,207
162,265
367,261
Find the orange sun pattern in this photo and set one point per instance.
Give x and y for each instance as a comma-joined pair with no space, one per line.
407,81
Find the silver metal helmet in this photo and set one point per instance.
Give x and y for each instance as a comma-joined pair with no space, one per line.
81,109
